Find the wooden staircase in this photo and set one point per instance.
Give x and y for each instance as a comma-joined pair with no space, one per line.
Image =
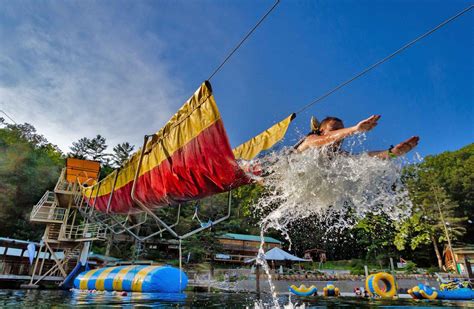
67,231
47,210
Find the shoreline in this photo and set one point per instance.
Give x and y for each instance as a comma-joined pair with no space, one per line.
282,286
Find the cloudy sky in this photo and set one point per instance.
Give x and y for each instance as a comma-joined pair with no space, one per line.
121,68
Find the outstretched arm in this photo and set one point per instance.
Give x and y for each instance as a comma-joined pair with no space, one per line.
398,150
338,135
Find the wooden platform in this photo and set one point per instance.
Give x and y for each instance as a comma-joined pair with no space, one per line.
28,278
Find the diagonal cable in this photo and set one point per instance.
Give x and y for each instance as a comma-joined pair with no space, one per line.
376,64
244,39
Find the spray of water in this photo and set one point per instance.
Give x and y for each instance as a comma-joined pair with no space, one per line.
329,185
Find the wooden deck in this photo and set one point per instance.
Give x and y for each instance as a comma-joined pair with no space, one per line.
28,278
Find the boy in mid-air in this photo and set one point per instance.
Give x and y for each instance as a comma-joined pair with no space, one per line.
331,133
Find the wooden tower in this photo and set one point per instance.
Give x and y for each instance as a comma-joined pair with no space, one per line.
68,234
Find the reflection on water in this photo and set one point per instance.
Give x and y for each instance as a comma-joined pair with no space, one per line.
48,298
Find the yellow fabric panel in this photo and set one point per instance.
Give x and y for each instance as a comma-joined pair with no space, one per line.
138,279
197,114
99,283
85,279
118,279
263,141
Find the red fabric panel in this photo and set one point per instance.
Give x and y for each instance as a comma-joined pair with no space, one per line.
203,167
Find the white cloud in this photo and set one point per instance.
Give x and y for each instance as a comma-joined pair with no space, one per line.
77,69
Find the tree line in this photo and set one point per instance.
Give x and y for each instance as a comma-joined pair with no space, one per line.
441,189
30,165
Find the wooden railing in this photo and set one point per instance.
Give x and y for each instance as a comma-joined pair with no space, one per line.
85,232
64,185
46,210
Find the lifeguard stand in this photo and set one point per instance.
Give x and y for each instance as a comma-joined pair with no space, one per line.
67,234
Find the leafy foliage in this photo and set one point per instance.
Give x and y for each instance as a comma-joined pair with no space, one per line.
91,149
95,149
29,165
441,189
122,152
441,192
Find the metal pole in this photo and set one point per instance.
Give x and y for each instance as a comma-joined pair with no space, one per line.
36,262
445,230
180,264
392,266
90,197
112,192
257,278
95,199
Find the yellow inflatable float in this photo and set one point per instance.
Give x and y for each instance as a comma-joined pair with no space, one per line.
331,290
302,290
381,285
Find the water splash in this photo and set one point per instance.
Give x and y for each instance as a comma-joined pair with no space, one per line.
338,187
318,182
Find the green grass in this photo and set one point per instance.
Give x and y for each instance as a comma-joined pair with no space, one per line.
355,266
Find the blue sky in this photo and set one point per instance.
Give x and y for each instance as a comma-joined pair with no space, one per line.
121,68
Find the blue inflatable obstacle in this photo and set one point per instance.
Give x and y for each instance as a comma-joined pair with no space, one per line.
69,281
422,291
133,278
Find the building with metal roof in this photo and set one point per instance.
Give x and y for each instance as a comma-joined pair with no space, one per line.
237,248
252,238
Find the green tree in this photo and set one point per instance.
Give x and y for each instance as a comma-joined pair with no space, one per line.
96,147
91,149
434,214
79,149
29,165
122,153
203,246
454,172
375,233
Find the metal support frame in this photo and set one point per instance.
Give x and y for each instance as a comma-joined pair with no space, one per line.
112,191
137,237
110,226
147,211
90,196
95,199
154,216
120,223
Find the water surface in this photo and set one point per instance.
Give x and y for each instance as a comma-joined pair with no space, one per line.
48,298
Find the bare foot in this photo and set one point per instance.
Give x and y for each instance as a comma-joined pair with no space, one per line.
405,146
368,124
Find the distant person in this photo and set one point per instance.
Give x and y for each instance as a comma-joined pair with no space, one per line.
331,133
358,292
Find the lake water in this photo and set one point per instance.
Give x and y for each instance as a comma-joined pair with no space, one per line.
48,298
